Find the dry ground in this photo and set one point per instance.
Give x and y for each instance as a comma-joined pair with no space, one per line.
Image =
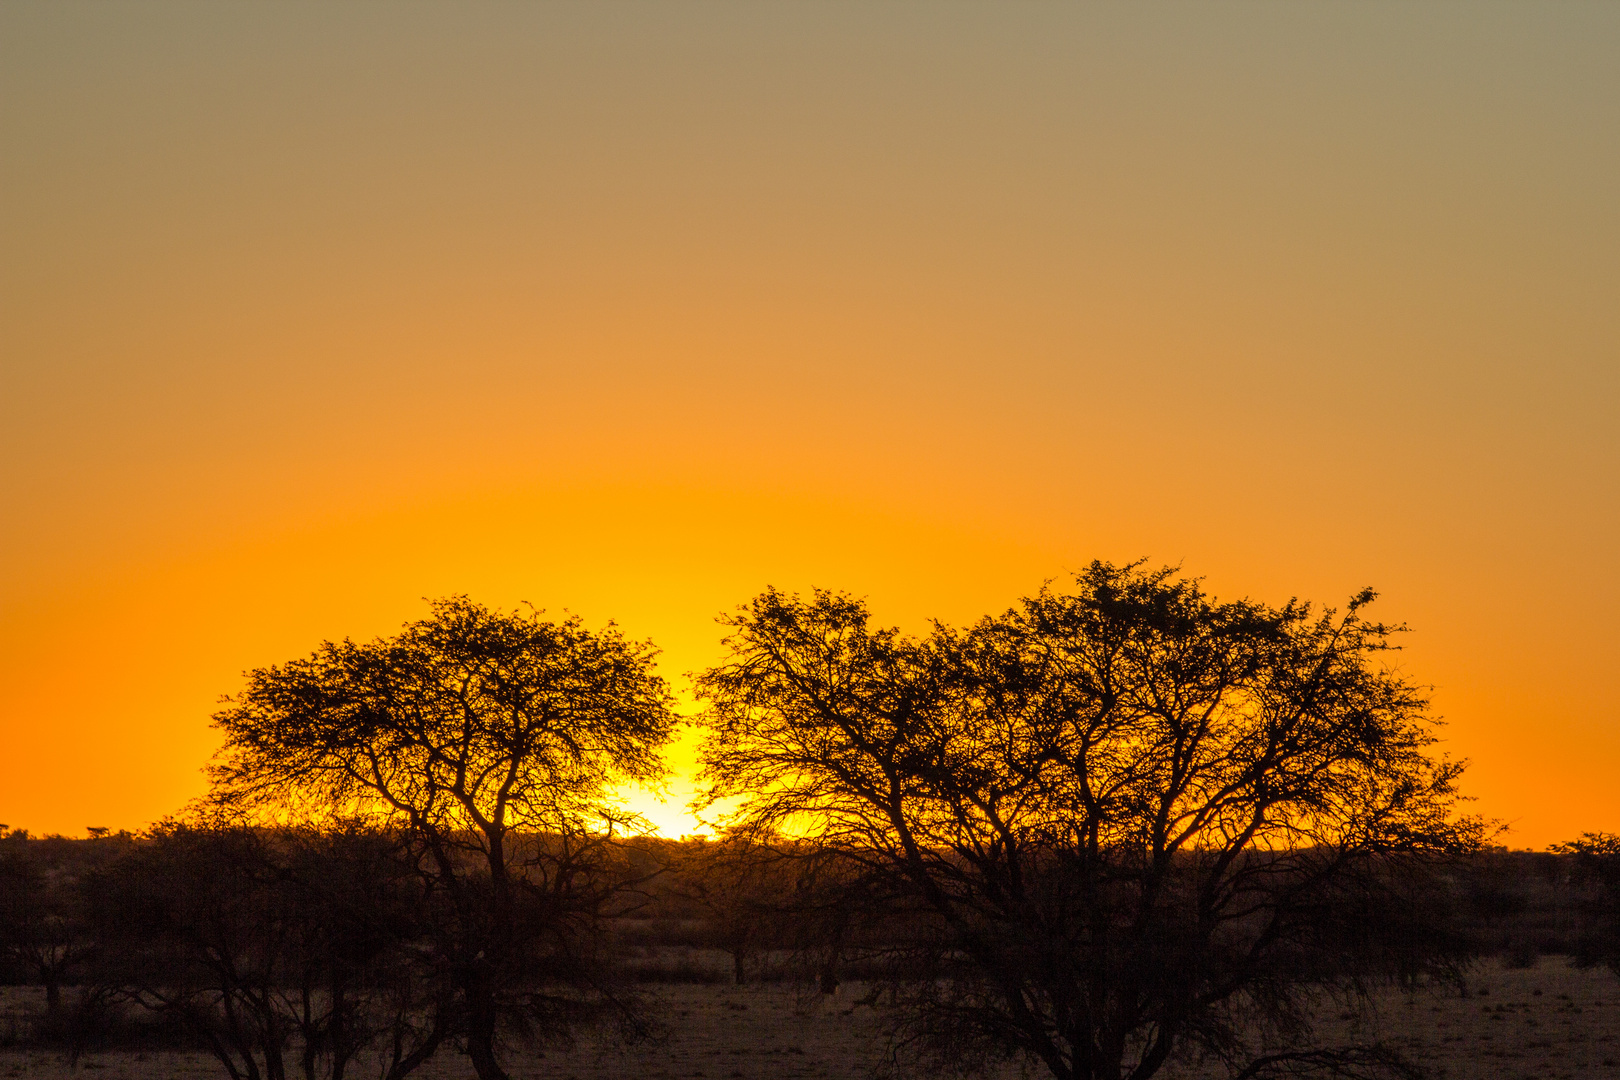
1550,1021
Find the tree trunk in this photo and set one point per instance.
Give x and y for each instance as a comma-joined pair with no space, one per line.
404,1065
481,1032
481,1012
737,966
829,975
275,1065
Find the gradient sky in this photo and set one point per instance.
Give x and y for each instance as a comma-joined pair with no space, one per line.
310,311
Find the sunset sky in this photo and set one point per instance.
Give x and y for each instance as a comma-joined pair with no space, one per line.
308,312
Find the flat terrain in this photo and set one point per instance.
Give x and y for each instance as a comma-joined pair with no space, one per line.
1549,1021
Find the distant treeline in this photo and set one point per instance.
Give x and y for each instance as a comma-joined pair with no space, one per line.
761,908
223,938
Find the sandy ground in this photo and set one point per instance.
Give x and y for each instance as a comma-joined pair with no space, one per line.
1550,1021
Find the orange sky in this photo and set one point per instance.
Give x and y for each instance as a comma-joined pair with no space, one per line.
307,313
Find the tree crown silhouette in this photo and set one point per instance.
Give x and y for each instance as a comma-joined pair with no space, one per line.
490,741
1133,811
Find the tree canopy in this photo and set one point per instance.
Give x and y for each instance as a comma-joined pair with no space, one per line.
491,741
1139,817
470,720
1597,869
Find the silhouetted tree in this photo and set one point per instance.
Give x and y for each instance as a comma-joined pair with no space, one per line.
489,739
834,908
1597,869
740,886
199,925
1144,823
760,893
365,981
42,924
258,943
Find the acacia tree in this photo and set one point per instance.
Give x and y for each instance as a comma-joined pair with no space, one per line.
1143,823
253,939
1597,871
739,884
490,740
42,925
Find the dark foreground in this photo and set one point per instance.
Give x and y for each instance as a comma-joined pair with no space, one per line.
1549,1021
